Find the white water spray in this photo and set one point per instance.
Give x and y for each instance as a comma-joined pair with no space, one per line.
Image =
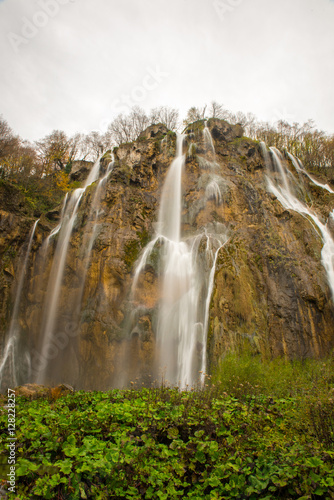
300,168
58,267
90,236
187,275
283,193
208,139
12,348
212,192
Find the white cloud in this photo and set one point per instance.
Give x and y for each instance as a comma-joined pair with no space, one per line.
263,56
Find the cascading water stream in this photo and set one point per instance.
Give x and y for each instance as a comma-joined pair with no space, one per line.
12,347
57,269
283,193
212,192
187,275
57,228
214,255
95,210
46,243
169,221
208,139
284,174
90,236
300,168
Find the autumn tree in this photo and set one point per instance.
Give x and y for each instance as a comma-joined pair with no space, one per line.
18,159
56,150
8,141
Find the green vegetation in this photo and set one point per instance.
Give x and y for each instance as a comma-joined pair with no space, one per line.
244,373
261,430
241,141
131,252
32,197
144,237
195,127
40,197
133,247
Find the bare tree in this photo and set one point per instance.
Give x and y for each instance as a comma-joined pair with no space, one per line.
165,115
193,115
127,128
217,110
139,121
120,129
74,147
93,145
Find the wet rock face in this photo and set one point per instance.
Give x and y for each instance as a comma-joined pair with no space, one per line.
15,225
221,130
80,170
270,288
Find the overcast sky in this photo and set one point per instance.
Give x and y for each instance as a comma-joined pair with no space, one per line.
75,64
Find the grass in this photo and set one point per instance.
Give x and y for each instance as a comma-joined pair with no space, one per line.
244,374
258,429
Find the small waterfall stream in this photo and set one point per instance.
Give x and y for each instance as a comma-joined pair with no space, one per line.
283,189
208,139
51,302
58,227
13,351
91,231
300,168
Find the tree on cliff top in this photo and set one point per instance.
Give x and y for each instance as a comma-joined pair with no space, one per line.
127,128
8,141
93,145
56,150
165,115
18,159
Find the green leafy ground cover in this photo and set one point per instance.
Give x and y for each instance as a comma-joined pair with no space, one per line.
229,440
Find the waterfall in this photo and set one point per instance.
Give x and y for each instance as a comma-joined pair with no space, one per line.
283,192
169,221
283,172
300,168
208,139
57,272
266,155
163,143
89,239
57,228
13,347
186,269
214,255
212,192
192,148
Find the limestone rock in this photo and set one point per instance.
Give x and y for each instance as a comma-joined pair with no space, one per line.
80,170
32,391
270,288
37,391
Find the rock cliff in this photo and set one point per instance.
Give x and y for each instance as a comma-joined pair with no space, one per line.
271,290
